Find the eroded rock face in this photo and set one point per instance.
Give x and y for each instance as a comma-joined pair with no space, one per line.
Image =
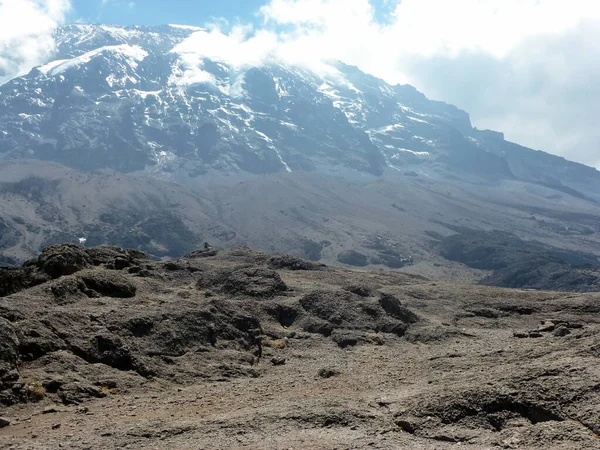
66,259
102,283
14,280
330,310
9,354
456,417
108,284
394,308
110,308
254,282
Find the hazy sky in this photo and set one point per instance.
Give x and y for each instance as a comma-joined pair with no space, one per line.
529,68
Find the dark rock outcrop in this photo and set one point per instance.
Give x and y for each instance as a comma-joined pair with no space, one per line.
353,258
343,310
162,326
522,264
67,259
255,282
289,262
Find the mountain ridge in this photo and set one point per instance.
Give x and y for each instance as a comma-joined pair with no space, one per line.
128,137
170,110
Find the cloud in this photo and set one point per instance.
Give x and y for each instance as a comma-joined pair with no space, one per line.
525,67
239,47
543,93
26,28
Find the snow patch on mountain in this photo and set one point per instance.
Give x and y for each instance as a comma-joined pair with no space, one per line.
129,54
126,34
406,150
414,119
186,27
181,99
387,129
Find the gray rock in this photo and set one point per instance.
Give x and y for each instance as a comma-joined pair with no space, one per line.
64,259
546,326
75,393
394,308
328,372
254,282
561,331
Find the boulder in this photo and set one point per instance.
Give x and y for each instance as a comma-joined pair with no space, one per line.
106,283
92,283
561,331
75,393
361,290
394,308
330,311
64,259
254,282
328,372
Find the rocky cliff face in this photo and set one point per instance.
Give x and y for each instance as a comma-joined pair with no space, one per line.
146,99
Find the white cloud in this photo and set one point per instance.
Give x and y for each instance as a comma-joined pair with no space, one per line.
237,48
543,93
26,28
348,29
497,53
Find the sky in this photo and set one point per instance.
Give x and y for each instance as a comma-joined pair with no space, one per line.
528,68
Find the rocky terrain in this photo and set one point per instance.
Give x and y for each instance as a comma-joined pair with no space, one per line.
399,223
103,348
522,264
140,137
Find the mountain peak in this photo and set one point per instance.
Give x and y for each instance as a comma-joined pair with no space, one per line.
150,99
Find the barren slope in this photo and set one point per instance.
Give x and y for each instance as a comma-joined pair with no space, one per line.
392,222
162,355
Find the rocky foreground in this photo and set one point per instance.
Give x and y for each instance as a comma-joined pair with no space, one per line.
103,348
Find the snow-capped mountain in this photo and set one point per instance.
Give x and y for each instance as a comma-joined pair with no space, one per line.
146,99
